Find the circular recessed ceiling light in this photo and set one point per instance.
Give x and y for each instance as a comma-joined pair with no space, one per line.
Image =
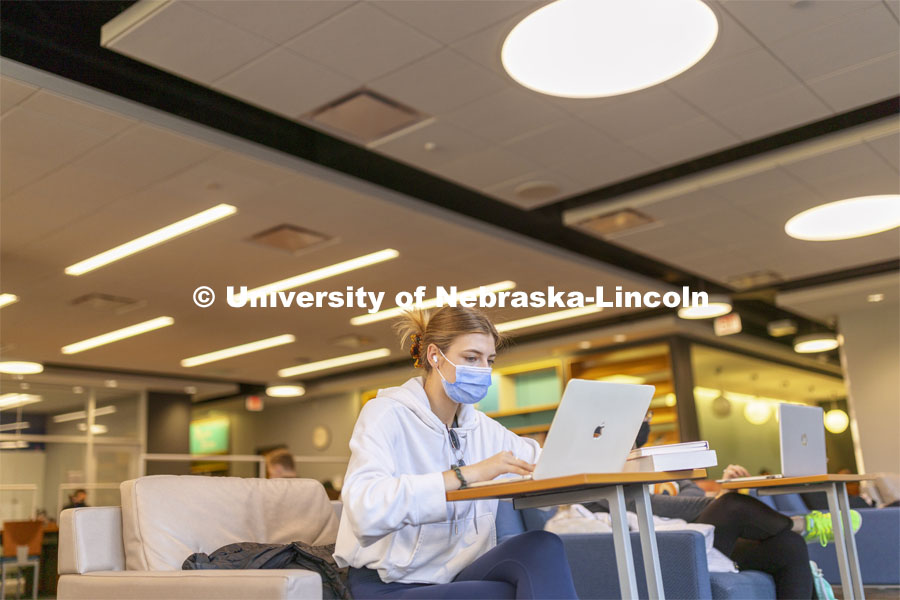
590,49
20,367
285,391
815,342
846,219
716,306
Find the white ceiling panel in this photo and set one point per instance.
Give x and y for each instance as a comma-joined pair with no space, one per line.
637,114
34,144
450,21
196,44
692,138
439,83
617,162
363,43
567,141
858,37
275,20
772,113
860,84
143,155
280,80
889,149
84,115
432,145
849,164
894,5
507,190
733,81
485,168
771,21
13,92
506,115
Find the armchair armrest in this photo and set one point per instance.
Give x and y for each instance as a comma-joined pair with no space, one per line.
682,557
90,539
238,584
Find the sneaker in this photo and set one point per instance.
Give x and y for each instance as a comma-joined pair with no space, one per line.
818,526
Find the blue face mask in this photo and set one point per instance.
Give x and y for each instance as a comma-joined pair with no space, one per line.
471,385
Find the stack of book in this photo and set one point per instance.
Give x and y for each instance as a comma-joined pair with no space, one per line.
671,457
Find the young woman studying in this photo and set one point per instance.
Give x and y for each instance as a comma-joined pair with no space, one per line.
412,444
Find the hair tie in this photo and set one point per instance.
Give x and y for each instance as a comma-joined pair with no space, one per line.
415,348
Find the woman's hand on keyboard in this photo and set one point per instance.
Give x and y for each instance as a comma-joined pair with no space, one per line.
499,464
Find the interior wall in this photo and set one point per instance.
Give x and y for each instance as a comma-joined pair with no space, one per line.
16,467
871,354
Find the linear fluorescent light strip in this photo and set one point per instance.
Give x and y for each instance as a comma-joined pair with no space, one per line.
13,400
15,426
390,313
153,238
548,318
323,273
331,363
202,359
80,414
7,299
119,334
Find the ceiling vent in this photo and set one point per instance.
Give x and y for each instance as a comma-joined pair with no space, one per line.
616,222
108,303
364,116
290,238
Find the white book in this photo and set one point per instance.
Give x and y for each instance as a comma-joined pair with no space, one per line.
696,459
668,449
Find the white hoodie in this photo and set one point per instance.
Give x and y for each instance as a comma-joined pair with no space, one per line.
396,518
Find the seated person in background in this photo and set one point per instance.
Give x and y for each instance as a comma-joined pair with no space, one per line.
78,499
280,464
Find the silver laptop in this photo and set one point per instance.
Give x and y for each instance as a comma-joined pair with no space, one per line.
802,437
593,430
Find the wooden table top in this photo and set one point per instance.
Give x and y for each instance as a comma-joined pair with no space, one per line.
568,483
782,481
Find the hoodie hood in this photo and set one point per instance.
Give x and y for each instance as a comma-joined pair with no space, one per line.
412,395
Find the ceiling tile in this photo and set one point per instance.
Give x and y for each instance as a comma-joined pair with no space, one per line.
569,140
677,144
275,20
860,84
894,5
772,113
12,92
450,21
484,46
737,80
771,21
144,154
363,42
636,114
506,114
732,39
439,83
506,190
486,168
84,115
889,149
450,143
190,43
285,83
617,162
844,164
35,143
858,37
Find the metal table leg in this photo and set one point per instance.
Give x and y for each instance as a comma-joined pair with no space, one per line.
839,542
622,543
652,569
34,584
850,540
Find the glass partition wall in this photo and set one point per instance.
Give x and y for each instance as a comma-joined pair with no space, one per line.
55,439
737,398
